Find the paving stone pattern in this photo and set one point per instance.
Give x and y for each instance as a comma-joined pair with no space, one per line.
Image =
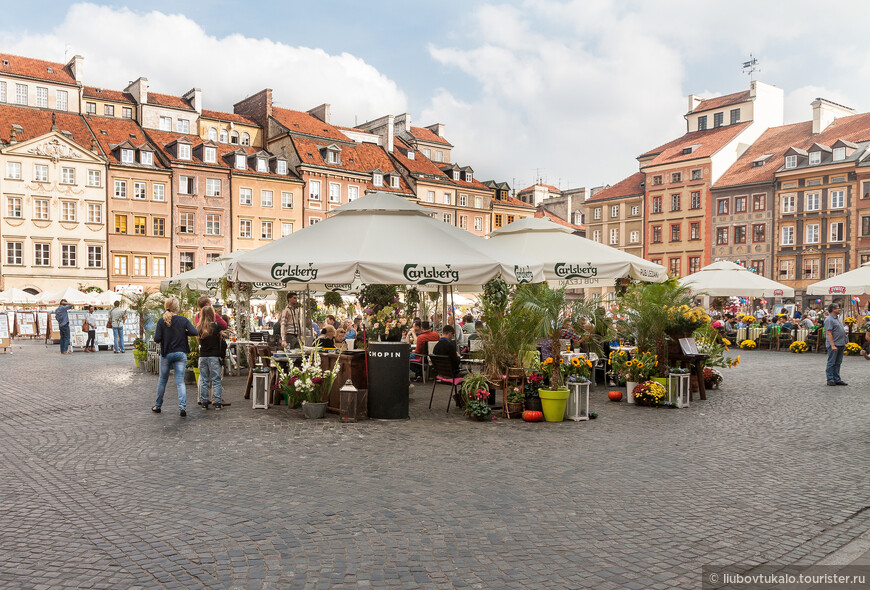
98,492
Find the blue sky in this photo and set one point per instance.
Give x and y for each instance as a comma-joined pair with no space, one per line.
569,90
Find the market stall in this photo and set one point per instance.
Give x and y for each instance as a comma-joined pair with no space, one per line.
726,279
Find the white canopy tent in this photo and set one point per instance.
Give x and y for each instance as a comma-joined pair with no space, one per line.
15,296
73,297
727,279
571,260
854,282
107,298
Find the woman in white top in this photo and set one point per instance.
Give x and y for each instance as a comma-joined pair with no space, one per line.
91,319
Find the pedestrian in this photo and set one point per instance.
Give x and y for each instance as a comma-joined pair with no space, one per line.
89,325
835,340
209,358
61,314
116,322
203,301
291,323
172,332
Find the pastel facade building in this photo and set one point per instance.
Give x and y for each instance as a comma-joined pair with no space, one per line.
41,84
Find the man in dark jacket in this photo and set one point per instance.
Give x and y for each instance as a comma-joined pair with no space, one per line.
446,346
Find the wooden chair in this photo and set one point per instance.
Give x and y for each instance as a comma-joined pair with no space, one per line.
445,374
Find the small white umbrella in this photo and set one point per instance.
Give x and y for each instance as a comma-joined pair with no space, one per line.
202,278
15,296
725,279
107,298
854,282
73,297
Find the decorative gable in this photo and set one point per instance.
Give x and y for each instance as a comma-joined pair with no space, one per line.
55,146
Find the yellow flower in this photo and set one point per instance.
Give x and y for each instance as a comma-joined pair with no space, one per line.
726,342
639,365
621,353
629,363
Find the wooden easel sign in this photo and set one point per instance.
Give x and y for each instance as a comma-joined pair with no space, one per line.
5,340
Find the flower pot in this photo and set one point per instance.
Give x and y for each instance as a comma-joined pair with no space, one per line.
663,381
629,386
534,404
314,410
515,409
553,403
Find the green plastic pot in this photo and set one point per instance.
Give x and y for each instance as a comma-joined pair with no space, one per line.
554,402
663,381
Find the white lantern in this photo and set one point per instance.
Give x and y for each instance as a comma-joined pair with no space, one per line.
260,390
577,407
678,389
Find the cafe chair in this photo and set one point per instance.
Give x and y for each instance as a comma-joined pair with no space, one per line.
423,361
444,374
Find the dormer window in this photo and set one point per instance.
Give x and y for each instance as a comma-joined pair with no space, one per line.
183,151
718,119
377,179
456,175
394,181
332,156
209,155
281,167
146,158
127,156
240,162
815,158
410,155
261,165
702,122
468,177
839,154
791,161
224,136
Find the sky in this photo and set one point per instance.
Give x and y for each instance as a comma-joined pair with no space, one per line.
565,92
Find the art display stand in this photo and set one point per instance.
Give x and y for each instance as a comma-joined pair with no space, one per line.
5,338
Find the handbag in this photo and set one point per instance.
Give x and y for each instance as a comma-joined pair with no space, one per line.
109,323
86,327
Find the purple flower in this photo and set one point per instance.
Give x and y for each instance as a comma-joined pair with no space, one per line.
317,380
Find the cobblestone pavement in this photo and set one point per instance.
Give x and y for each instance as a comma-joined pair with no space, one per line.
98,492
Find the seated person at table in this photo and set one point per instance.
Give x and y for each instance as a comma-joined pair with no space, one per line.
339,340
326,338
425,336
478,326
787,326
807,323
416,328
446,346
730,330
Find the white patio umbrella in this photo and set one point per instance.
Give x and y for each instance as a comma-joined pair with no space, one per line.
202,278
73,296
726,279
854,282
107,298
571,260
383,239
15,296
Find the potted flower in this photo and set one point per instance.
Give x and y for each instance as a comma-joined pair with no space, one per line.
516,397
475,393
712,378
649,393
312,384
534,382
140,353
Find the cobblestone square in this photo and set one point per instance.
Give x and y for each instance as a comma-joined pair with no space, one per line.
98,492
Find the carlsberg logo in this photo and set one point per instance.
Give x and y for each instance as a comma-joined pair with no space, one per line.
524,274
287,273
430,275
266,286
343,287
212,283
575,271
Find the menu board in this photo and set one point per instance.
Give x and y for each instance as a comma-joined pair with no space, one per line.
5,340
26,323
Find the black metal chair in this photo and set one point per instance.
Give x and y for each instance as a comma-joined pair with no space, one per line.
444,373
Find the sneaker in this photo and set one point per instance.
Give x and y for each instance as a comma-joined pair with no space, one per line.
182,413
841,383
204,404
218,406
832,382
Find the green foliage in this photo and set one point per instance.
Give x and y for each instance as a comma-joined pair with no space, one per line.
193,357
333,300
495,294
412,300
186,299
143,303
139,345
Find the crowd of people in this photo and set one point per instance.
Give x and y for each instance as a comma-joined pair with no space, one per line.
117,316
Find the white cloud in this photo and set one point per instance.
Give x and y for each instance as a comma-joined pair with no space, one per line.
176,54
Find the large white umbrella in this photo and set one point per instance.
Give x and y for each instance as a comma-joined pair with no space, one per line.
383,239
107,298
202,278
15,296
72,296
571,260
854,282
727,279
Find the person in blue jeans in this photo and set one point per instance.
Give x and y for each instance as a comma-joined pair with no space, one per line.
117,316
835,341
172,332
209,357
61,314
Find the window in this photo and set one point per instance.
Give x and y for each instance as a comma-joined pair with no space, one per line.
352,193
696,200
234,137
13,170
158,192
281,167
286,229
266,230
787,236
634,237
786,269
224,136
448,218
127,156
95,213
244,228
675,266
835,266
813,202
146,158
241,162
722,236
596,213
759,202
614,236
676,176
812,233
2,91
439,156
287,200
41,254
120,189
212,225
139,190
159,226
740,204
334,192
675,232
614,211
468,177
183,151
447,198
657,234
182,126
478,203
758,232
837,231
120,224
839,154
696,174
127,112
209,155
694,264
21,94
838,199
394,181
165,124
120,265
211,257
13,207
739,234
757,266
94,178
718,119
811,268
735,116
377,179
186,261
261,165
463,221
837,179
815,181
246,139
212,187
815,158
68,175
675,202
67,211
185,223
657,180
695,230
314,190
40,173
139,225
430,196
722,206
40,209
140,266
109,110
656,260
91,108
596,236
478,224
788,203
497,222
510,219
14,253
791,161
865,226
635,210
657,205
702,122
463,200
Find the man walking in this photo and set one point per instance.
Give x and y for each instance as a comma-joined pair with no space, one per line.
835,339
117,316
291,324
61,314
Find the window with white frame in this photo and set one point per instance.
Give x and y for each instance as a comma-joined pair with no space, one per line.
146,158
158,227
438,156
478,202
313,220
2,91
186,261
634,237
246,196
812,233
791,161
127,156
209,155
165,124
241,162
212,187
261,165
183,151
430,197
377,179
427,152
478,224
95,178
835,266
13,170
244,228
456,175
838,199
332,157
140,266
211,257
813,202
635,210
109,110
266,230
447,198
596,235
815,158
352,193
266,198
786,269
14,253
67,175
394,181
212,225
68,256
614,236
40,209
158,192
212,134
13,207
127,112
224,136
21,94
787,236
286,200
837,231
596,213
463,221
281,167
120,189
95,213
41,254
40,173
61,101
158,266
95,257
314,190
839,154
139,190
463,200
448,218
788,203
811,268
246,139
286,228
334,192
68,211
120,265
186,223
182,126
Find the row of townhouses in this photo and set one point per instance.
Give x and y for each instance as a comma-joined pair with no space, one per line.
790,202
120,189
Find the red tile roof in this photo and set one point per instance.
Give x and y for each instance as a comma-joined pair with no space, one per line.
299,122
774,142
420,164
36,122
36,68
233,117
161,139
708,142
512,201
853,128
627,187
424,134
722,101
543,213
167,100
110,132
549,187
105,94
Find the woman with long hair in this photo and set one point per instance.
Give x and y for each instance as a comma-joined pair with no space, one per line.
172,332
209,357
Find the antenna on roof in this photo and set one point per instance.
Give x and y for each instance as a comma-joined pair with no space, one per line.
751,66
66,49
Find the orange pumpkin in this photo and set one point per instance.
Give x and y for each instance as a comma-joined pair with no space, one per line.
533,416
615,396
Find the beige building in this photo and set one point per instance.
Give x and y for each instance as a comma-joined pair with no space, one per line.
614,216
230,129
41,84
54,202
103,102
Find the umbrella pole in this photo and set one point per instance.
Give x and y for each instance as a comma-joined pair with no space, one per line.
443,306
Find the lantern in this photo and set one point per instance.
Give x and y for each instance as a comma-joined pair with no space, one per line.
260,389
678,389
352,403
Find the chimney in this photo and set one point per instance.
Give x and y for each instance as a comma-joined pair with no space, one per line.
139,89
257,107
824,113
391,120
694,101
194,97
437,129
75,65
94,146
403,123
321,112
13,135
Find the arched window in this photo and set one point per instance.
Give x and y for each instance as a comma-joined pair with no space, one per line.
224,136
212,134
234,137
246,139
